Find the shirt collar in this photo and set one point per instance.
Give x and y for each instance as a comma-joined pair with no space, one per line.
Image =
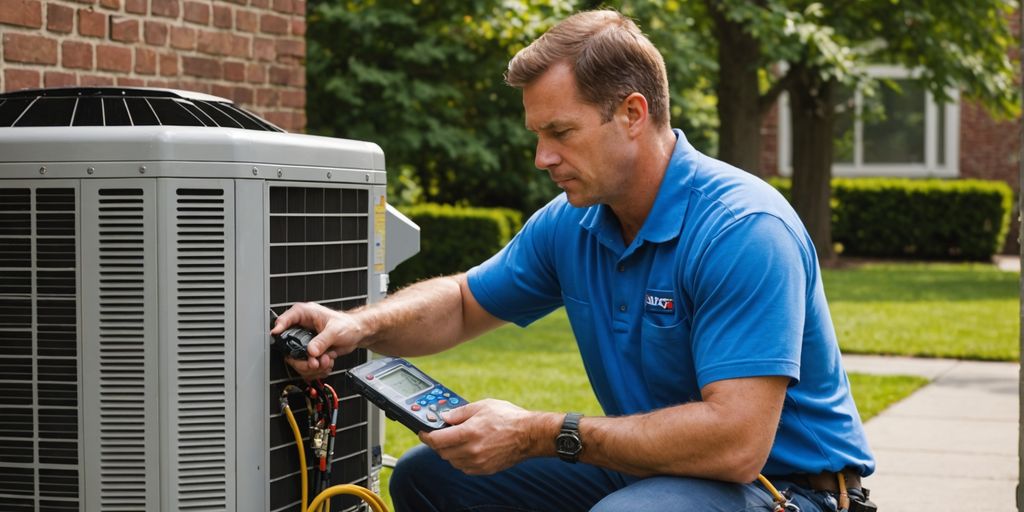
665,220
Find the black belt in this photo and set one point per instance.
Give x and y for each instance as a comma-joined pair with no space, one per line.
825,481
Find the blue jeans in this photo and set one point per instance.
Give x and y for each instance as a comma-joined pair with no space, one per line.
423,482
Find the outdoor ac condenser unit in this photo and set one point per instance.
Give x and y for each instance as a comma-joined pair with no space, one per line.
145,235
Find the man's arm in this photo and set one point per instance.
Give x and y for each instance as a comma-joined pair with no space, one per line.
726,436
425,318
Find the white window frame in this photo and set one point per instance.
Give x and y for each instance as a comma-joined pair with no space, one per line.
929,169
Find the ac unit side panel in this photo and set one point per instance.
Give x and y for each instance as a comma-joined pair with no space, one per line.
40,419
252,323
119,345
197,343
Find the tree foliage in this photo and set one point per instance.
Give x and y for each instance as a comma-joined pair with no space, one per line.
821,46
424,80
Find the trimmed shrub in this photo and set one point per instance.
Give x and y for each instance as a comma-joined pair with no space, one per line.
454,238
921,219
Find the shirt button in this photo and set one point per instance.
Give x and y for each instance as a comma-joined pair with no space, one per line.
622,308
622,268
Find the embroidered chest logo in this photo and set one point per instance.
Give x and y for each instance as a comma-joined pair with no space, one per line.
657,303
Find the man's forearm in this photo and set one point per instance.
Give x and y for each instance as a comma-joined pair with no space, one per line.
723,437
682,440
424,318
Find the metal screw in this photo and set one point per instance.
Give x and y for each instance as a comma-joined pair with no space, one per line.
328,174
367,176
142,169
255,171
90,170
42,170
279,172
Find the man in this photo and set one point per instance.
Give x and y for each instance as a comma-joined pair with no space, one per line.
693,291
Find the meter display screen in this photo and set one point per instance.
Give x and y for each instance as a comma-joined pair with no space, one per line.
404,393
405,382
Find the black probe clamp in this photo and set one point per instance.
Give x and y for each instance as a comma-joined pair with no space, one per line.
293,341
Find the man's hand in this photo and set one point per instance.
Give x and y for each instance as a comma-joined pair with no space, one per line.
488,436
337,334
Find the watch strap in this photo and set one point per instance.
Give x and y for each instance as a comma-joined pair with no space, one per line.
571,423
569,433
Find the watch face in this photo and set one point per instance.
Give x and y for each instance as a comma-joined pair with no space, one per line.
568,444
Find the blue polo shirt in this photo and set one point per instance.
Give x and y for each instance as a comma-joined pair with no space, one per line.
721,282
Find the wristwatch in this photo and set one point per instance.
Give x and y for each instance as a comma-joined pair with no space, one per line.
568,443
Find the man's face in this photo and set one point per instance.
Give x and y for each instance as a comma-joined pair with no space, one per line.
586,158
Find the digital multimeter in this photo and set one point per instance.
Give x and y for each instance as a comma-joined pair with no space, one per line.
404,393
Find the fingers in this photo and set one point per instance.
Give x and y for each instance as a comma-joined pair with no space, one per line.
284,321
324,363
309,372
460,414
321,351
318,345
445,438
484,437
309,315
448,437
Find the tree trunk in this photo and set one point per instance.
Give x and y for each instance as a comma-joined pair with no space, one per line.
739,114
813,116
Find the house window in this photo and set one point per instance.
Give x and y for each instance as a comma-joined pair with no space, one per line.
901,132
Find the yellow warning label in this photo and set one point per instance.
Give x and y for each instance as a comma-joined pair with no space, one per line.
380,220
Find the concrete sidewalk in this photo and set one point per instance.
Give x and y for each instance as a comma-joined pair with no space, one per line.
952,445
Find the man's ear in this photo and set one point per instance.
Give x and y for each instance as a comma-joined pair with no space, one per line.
635,111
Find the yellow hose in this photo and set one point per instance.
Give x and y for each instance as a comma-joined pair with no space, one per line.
375,502
844,495
776,495
302,454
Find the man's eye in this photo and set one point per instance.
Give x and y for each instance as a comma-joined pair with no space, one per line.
560,134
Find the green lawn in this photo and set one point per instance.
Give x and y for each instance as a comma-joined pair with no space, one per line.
966,311
939,310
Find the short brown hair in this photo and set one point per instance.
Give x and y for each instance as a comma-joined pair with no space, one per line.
610,57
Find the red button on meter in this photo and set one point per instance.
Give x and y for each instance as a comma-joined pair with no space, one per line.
369,376
415,407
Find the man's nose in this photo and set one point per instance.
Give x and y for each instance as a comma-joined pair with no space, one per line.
546,157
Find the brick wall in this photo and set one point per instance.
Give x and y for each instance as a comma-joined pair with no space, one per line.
770,142
990,150
250,51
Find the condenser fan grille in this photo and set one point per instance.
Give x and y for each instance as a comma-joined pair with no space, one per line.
103,106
